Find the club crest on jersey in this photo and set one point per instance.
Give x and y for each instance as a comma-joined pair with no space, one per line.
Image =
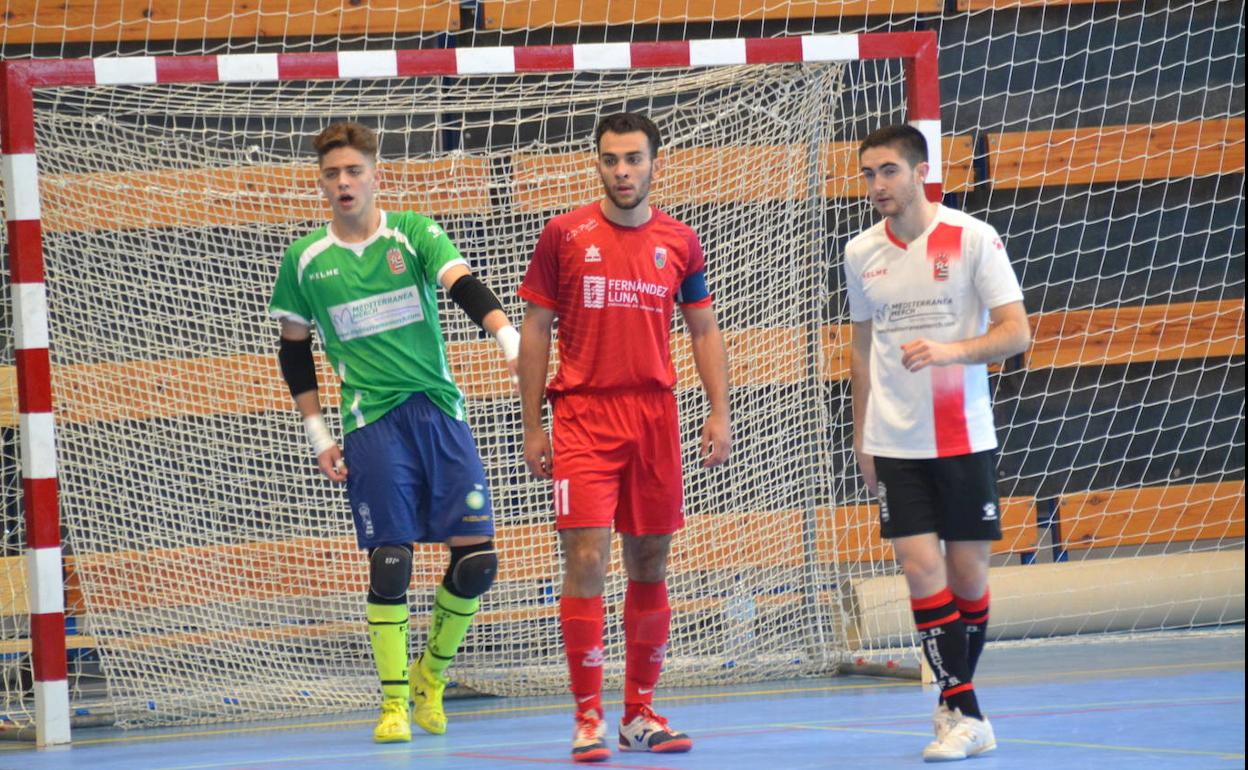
594,291
592,254
660,257
940,267
395,258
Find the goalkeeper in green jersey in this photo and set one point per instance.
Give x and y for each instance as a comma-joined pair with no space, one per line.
367,280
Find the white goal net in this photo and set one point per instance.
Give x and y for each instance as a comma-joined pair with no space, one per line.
216,571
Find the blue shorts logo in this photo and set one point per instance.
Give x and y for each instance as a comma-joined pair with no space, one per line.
476,498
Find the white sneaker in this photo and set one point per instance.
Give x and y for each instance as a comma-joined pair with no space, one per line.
650,732
967,738
943,720
587,740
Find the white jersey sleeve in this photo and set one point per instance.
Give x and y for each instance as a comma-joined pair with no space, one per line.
994,277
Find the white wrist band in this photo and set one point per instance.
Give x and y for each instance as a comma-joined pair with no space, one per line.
509,341
318,434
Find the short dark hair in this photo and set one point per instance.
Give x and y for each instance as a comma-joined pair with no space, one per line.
905,139
346,134
627,123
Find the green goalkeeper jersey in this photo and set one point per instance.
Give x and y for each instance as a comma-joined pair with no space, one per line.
375,304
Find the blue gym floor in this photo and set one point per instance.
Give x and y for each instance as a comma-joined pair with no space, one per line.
1169,701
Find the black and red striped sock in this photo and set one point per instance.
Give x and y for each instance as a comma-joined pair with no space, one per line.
943,637
975,618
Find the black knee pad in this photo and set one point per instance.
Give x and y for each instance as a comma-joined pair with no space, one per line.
389,571
472,569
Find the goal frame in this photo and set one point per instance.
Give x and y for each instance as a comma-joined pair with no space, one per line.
19,172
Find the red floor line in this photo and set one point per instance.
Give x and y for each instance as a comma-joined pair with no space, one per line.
565,761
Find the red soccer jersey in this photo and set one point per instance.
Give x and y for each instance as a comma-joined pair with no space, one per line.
613,289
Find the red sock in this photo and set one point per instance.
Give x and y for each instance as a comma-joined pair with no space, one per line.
580,618
647,620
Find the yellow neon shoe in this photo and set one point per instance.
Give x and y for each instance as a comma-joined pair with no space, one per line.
392,727
427,688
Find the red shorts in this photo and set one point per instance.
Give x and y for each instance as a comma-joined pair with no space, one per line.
617,460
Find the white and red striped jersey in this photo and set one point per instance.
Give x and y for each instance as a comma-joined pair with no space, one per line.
940,287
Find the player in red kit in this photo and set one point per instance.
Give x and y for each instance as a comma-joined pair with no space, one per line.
613,272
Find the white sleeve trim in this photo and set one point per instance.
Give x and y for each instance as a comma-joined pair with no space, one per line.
286,315
442,270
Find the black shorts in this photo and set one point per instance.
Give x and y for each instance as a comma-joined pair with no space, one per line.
955,497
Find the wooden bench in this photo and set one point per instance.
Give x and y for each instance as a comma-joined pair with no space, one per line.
714,543
984,5
1104,154
523,14
251,384
34,21
1130,334
13,603
852,533
243,195
730,174
1151,515
125,581
458,185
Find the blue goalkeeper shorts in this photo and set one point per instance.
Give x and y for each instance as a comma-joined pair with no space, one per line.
415,476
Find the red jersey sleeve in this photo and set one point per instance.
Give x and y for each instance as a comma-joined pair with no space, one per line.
697,260
541,282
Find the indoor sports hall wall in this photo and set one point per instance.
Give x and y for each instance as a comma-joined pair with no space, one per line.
1104,140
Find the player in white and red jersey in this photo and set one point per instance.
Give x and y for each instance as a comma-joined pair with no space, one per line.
933,299
613,272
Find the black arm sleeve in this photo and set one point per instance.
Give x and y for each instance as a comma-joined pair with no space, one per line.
475,298
298,368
